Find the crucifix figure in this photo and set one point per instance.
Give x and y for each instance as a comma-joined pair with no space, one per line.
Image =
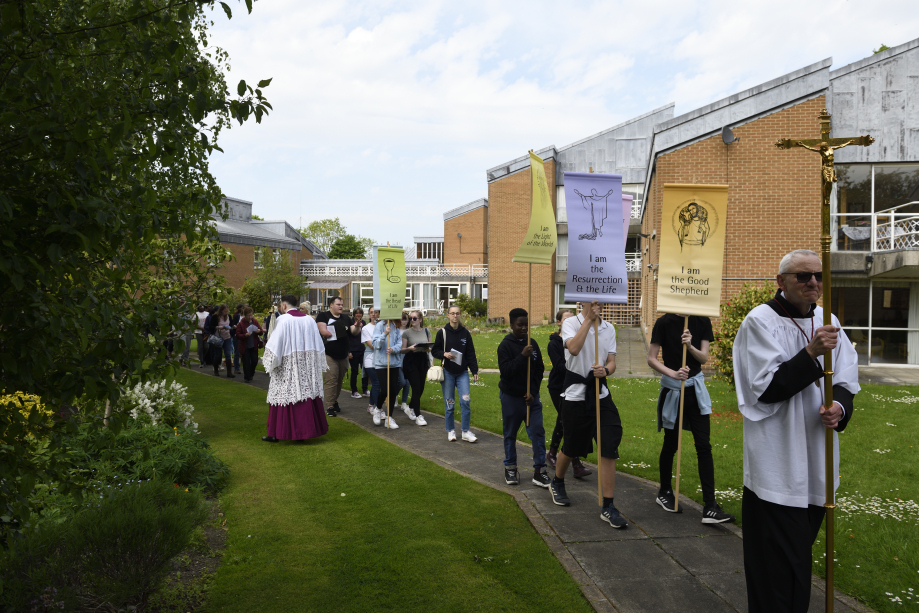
825,146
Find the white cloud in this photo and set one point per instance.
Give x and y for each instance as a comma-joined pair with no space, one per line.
388,114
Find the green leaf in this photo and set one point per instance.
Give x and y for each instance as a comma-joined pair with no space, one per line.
265,82
241,88
226,9
249,6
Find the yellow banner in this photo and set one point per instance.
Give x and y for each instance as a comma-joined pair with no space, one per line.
539,243
389,281
691,263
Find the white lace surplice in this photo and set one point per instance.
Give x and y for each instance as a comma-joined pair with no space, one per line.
295,360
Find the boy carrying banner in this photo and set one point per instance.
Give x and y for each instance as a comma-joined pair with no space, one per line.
513,355
668,335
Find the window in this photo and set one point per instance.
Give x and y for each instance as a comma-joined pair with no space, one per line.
560,298
876,207
256,259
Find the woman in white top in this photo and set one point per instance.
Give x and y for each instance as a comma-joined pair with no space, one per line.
369,371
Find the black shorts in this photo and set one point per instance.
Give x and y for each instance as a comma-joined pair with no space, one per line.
579,422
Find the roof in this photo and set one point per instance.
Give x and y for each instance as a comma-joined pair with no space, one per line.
428,239
466,208
281,227
518,164
242,233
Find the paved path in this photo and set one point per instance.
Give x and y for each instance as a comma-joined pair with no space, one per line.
661,562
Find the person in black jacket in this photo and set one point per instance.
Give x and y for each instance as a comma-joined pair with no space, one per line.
453,345
556,386
513,355
234,321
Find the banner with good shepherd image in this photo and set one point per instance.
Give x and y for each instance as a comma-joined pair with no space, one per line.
691,263
389,281
596,239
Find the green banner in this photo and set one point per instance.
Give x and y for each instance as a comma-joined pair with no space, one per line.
542,236
389,281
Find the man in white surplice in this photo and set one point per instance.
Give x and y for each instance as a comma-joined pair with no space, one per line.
778,371
295,359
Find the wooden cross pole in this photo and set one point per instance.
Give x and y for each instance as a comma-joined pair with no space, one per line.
679,432
825,146
529,315
597,396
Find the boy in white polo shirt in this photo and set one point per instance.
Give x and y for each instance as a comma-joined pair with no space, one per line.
579,419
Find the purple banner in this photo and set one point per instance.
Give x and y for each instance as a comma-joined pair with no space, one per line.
597,228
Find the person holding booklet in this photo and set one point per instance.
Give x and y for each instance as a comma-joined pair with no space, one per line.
453,345
369,371
579,419
669,335
514,353
336,329
416,345
387,360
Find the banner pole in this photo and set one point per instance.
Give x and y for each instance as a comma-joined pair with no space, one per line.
679,432
597,395
388,384
529,317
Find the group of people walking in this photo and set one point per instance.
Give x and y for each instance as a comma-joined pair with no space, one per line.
226,340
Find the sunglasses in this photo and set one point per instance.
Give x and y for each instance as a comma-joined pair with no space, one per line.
414,319
805,277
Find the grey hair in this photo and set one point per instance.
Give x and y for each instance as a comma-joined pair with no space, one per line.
785,264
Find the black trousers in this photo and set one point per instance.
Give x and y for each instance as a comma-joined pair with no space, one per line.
777,543
416,379
357,363
249,361
557,432
389,389
701,428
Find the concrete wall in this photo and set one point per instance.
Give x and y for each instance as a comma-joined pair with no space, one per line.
773,198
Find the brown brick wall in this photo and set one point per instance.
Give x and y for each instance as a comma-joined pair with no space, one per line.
236,272
509,217
472,248
773,198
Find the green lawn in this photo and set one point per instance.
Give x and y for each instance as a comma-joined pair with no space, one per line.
349,522
877,522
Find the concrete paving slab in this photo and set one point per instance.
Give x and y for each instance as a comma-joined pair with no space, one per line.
609,562
581,526
701,555
676,593
729,586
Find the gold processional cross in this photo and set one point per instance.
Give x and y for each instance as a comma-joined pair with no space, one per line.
825,146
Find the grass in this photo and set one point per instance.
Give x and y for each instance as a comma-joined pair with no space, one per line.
877,521
349,522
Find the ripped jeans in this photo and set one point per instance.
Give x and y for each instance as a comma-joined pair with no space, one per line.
451,384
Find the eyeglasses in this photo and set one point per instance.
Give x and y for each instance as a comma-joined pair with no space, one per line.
414,319
805,277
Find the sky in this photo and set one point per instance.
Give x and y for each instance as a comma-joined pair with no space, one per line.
387,114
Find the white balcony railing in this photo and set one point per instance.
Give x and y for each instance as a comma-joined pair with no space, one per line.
317,270
886,230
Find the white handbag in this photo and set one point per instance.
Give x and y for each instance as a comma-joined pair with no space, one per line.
436,373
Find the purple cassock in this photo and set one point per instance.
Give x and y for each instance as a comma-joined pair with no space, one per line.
294,358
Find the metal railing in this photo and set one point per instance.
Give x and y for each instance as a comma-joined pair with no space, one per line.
352,271
885,230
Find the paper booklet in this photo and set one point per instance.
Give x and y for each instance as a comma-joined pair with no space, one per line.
457,357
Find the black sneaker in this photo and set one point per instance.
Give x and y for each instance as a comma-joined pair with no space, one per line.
330,412
511,477
336,408
714,515
613,517
559,495
541,479
667,501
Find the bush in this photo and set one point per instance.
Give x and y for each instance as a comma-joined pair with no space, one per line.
471,306
732,315
175,455
110,556
155,403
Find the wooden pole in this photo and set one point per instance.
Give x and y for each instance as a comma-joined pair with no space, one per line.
388,383
529,317
679,432
597,395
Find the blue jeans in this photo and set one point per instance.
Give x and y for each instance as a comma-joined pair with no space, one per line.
514,413
450,385
374,384
406,386
236,353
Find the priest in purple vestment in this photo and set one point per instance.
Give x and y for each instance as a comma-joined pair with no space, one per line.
294,359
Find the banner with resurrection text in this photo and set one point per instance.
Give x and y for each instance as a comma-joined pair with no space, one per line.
691,262
542,235
389,281
596,241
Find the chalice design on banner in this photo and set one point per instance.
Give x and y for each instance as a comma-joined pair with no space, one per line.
389,264
694,223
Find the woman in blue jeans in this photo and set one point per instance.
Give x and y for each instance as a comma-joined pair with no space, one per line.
453,345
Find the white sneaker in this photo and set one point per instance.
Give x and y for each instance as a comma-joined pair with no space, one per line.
451,435
377,417
367,394
419,421
410,412
469,437
391,424
355,394
370,408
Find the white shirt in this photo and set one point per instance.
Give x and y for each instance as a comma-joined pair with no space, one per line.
202,316
584,361
367,337
784,442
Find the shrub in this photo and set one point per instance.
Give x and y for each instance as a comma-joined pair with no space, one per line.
155,403
471,306
732,315
110,556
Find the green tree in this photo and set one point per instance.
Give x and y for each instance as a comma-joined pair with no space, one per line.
732,315
109,111
883,47
275,277
325,232
348,247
